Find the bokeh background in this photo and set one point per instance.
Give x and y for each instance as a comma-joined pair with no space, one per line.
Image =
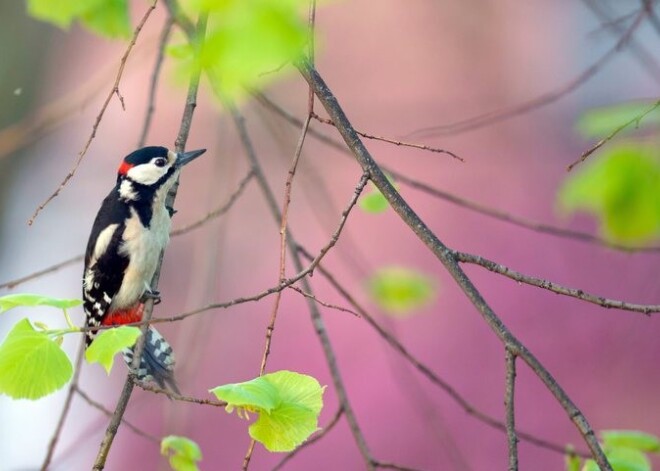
396,67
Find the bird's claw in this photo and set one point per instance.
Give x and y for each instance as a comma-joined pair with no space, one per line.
151,294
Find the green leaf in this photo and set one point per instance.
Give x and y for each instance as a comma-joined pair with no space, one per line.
627,459
399,291
247,38
110,342
600,122
31,300
288,405
106,17
572,461
631,439
622,188
183,453
31,364
373,202
62,14
110,18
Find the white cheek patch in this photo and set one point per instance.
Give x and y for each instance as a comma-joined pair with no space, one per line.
147,174
127,192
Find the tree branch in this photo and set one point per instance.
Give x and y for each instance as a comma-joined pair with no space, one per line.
509,395
554,287
401,207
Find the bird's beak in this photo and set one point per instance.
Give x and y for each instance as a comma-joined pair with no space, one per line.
187,157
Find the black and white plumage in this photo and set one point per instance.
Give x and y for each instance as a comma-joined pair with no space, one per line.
130,231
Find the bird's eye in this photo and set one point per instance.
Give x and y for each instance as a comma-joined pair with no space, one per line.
160,162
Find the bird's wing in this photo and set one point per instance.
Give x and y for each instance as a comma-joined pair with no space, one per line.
104,263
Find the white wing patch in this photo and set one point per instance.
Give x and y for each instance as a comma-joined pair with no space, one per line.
102,242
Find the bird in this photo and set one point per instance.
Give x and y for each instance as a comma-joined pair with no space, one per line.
130,231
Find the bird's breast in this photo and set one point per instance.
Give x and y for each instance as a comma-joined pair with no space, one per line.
142,246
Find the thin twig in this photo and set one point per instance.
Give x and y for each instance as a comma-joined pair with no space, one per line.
545,99
184,130
317,321
178,397
444,255
394,141
322,303
113,91
283,242
109,413
637,49
155,76
467,204
394,466
315,438
66,407
611,135
13,283
509,396
282,267
220,210
424,369
554,287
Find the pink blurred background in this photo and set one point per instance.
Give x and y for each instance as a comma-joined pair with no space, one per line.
396,67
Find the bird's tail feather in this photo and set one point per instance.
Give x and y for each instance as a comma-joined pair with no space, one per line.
157,363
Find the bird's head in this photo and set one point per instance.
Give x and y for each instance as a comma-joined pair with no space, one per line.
154,165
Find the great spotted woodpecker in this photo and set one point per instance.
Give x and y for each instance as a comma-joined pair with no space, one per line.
130,231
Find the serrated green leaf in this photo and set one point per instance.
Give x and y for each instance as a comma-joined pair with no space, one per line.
247,38
600,122
109,18
182,452
31,364
288,405
399,290
31,300
110,342
258,393
631,439
622,188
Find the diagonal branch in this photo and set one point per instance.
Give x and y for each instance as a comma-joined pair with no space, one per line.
444,255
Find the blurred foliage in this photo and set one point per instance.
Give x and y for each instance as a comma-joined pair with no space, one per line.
32,300
288,405
110,342
600,122
183,453
399,290
625,450
373,201
245,40
108,18
621,187
32,364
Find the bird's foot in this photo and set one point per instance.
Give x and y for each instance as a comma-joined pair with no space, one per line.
151,294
